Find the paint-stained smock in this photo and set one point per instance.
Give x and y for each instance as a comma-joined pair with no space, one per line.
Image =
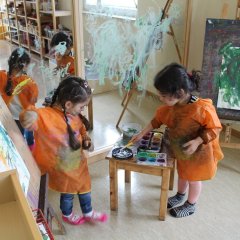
26,95
67,169
67,63
185,123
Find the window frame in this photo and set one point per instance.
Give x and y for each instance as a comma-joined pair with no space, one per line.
122,12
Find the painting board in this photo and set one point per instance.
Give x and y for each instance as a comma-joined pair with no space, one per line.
15,136
221,67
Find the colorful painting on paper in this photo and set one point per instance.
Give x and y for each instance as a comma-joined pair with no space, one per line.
11,159
221,67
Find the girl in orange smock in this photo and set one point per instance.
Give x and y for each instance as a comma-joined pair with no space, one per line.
17,89
61,45
194,130
60,139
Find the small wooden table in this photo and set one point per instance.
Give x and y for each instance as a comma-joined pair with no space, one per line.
167,173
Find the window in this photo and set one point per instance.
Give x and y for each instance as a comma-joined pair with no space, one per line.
115,7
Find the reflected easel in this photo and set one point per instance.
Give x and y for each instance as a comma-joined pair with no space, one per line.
182,60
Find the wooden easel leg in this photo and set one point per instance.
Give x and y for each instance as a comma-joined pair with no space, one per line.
52,216
129,95
124,99
44,205
90,113
228,132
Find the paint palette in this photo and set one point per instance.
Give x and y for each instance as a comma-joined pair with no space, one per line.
151,158
151,142
125,153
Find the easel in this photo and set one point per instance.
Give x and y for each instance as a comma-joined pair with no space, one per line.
182,60
227,124
228,133
38,186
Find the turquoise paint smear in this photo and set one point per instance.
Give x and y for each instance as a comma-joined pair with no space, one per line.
121,48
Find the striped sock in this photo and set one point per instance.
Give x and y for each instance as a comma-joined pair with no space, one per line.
184,210
175,200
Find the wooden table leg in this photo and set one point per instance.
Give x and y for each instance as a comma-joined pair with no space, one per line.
113,184
127,176
171,180
164,193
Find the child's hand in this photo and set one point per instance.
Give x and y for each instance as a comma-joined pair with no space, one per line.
191,146
86,143
137,137
28,118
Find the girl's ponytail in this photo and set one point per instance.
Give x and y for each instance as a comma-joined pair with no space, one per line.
195,77
73,141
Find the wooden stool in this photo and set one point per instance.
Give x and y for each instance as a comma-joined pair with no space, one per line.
167,173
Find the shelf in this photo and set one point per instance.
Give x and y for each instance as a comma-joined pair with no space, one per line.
15,41
34,50
58,13
24,45
30,18
21,16
49,39
12,27
23,30
12,14
30,2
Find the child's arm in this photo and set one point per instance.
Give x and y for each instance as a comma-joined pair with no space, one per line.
139,136
211,128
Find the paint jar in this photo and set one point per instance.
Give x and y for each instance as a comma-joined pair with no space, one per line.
154,144
160,160
155,139
142,159
143,146
144,142
152,155
142,154
151,159
155,148
146,137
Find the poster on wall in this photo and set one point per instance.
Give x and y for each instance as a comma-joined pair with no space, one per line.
11,159
221,67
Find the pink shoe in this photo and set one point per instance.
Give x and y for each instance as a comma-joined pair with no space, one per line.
73,219
97,217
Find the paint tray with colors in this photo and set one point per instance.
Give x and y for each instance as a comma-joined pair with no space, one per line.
150,158
151,142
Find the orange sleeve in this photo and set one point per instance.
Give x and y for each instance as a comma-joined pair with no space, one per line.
211,124
3,81
29,94
161,117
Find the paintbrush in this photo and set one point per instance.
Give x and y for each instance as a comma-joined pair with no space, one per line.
125,146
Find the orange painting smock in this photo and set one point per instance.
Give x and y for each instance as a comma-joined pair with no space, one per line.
27,94
67,169
68,60
185,123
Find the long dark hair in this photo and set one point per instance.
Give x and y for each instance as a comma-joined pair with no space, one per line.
174,77
18,59
70,89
